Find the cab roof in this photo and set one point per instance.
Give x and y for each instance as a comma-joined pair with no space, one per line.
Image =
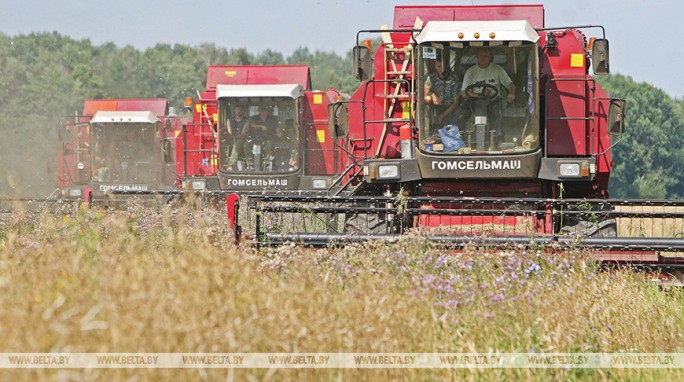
448,31
278,90
124,117
405,16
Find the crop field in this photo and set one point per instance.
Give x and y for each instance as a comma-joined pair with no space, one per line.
170,280
648,227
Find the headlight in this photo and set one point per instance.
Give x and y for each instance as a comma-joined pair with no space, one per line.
382,171
320,183
199,185
75,192
569,169
388,171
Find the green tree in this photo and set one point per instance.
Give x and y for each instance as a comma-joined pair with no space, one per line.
269,57
213,55
240,56
170,72
117,68
328,70
649,158
42,76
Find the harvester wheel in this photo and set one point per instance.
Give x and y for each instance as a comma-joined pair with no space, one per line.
367,224
589,224
605,228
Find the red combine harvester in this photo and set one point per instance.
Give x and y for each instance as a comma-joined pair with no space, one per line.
117,147
474,121
258,128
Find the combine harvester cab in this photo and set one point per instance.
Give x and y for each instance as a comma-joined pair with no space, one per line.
524,158
258,129
118,149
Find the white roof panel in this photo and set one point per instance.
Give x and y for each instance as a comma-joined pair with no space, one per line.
443,31
275,90
124,117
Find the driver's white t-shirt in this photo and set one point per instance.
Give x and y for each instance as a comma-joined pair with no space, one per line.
492,74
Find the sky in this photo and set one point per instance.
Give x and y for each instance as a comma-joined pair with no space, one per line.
643,34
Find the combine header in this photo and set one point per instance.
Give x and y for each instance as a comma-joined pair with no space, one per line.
475,123
117,147
258,128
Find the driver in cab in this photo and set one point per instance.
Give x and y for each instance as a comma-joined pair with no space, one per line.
491,76
486,72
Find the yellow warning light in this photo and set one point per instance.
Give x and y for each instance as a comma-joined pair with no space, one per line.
591,43
492,35
368,44
476,35
188,102
460,35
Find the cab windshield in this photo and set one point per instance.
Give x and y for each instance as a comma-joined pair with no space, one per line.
477,100
125,153
258,135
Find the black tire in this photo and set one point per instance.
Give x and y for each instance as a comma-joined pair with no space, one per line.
606,228
368,224
589,222
584,228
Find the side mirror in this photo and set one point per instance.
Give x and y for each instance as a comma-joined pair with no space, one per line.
363,64
617,113
60,132
167,152
599,56
338,120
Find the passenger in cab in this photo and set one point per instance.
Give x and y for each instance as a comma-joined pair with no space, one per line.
239,127
442,92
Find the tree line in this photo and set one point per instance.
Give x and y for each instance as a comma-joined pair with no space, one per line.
45,77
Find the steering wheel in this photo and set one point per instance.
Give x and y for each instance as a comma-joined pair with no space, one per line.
488,92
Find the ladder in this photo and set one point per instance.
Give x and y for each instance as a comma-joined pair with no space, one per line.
399,82
398,92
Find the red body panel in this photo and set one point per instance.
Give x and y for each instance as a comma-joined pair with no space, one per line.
571,97
320,150
196,146
158,106
75,143
404,17
568,104
258,75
